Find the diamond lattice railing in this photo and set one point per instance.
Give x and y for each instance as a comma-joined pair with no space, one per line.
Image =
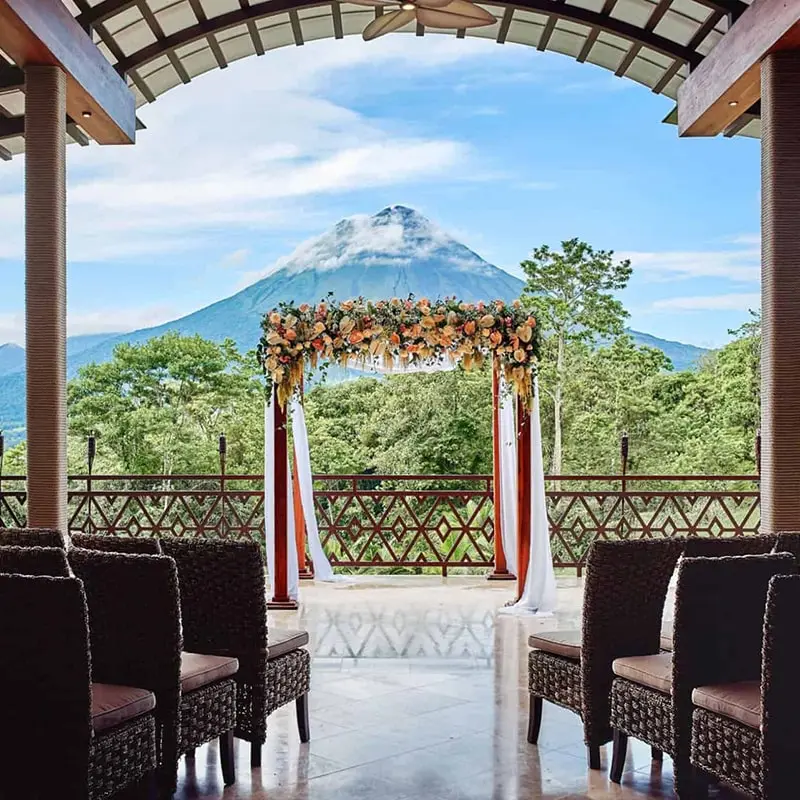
407,521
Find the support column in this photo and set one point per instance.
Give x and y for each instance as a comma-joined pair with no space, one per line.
523,495
280,591
500,571
780,292
46,295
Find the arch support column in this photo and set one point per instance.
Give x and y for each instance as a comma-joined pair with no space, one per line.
46,295
780,291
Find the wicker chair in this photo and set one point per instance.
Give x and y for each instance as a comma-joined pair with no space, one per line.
108,543
223,598
714,547
32,537
719,614
789,542
626,584
196,692
42,561
63,736
746,733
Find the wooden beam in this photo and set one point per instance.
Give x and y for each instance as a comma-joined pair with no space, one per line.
420,31
43,32
505,24
297,32
11,76
336,13
108,8
77,134
728,81
700,36
11,127
560,10
5,155
752,113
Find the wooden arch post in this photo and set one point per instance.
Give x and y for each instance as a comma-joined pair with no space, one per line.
523,494
500,571
280,477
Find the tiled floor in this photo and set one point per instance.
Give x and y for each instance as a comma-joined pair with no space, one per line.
419,690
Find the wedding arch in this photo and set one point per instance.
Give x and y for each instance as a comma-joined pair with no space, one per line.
402,335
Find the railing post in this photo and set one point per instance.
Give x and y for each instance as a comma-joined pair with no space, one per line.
222,449
500,571
280,591
2,456
91,452
623,460
523,494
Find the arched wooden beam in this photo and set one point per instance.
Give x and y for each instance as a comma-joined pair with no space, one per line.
108,8
240,16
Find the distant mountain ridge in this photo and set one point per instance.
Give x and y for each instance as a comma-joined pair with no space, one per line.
394,253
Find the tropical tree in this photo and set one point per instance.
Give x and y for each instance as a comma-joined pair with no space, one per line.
157,407
571,293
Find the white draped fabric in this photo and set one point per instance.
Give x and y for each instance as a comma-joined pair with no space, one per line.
508,475
269,506
539,594
302,465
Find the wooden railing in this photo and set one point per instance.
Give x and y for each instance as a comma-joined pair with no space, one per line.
404,522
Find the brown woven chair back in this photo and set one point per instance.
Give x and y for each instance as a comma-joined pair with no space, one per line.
41,561
719,624
626,585
789,542
135,630
780,698
223,597
45,693
107,543
32,537
715,546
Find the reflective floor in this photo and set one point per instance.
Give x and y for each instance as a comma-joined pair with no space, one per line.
419,690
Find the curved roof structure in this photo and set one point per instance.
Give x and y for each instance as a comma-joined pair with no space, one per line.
160,44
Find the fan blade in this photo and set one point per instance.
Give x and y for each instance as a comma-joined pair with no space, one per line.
456,14
433,3
386,23
372,3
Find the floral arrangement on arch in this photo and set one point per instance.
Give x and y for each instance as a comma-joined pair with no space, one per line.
398,331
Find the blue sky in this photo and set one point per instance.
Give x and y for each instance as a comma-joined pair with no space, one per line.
504,147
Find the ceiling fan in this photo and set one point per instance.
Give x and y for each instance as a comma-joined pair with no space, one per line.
430,13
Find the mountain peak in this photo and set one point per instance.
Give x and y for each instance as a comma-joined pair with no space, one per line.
397,236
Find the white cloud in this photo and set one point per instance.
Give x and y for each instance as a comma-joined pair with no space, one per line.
114,320
250,147
739,265
235,258
741,301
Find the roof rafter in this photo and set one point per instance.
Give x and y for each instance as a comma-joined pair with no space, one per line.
552,7
107,8
656,15
5,155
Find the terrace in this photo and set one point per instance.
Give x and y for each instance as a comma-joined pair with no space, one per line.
419,690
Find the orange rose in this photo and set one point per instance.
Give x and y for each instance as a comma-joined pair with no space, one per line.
495,337
275,318
519,355
469,327
291,334
394,339
356,337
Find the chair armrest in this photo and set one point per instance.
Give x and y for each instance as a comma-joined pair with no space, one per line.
780,686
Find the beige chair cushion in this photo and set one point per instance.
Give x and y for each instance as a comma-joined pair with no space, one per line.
281,641
738,701
112,705
652,671
666,636
199,670
560,643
